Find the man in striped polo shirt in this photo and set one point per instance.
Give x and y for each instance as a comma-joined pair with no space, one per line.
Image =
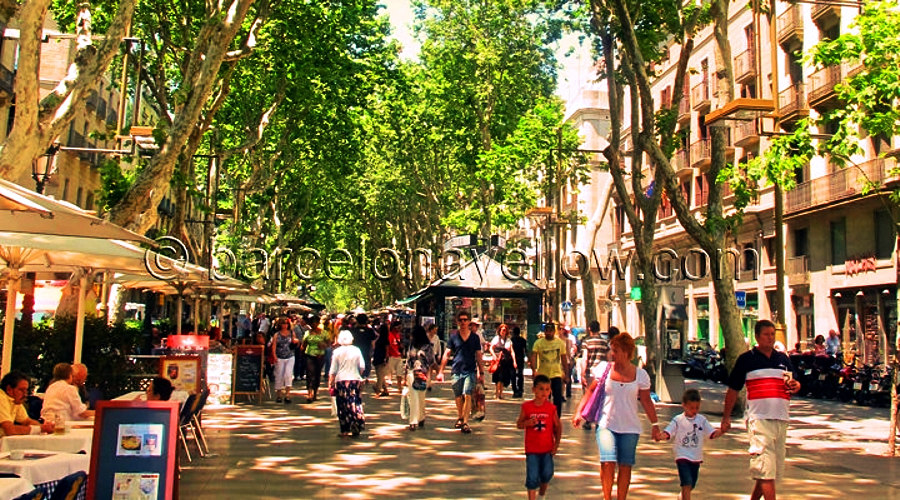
766,372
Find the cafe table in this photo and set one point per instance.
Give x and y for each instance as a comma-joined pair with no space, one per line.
11,487
44,468
179,396
75,440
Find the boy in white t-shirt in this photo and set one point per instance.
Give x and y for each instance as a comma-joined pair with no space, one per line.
688,432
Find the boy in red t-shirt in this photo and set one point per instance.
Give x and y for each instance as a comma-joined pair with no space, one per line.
543,433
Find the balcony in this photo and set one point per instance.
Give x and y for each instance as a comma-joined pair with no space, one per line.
745,67
680,162
789,25
101,109
7,79
839,185
797,269
821,86
792,103
746,133
822,13
684,109
700,96
700,153
92,101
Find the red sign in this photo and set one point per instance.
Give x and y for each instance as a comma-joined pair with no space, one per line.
187,341
860,265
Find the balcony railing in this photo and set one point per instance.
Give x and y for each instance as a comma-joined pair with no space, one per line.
7,79
700,95
820,10
745,66
838,185
797,268
821,84
789,25
700,153
792,101
746,133
684,108
680,161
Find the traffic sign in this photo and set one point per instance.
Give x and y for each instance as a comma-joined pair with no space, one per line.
566,306
741,297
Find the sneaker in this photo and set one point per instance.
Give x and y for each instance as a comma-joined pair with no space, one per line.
422,423
384,394
287,401
278,400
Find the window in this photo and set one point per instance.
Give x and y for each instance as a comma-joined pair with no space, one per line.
884,235
748,259
89,201
65,191
838,242
78,195
801,242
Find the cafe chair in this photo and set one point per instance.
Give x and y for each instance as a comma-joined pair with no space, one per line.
35,494
33,406
184,424
68,487
195,422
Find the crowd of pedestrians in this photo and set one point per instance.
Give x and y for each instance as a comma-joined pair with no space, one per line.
615,389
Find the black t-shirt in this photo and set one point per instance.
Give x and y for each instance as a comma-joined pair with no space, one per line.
363,336
519,346
464,359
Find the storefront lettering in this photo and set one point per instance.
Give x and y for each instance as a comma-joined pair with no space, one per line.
860,265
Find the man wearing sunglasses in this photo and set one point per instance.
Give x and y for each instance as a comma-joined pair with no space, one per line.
467,363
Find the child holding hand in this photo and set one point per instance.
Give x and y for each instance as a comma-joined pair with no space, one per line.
688,431
543,433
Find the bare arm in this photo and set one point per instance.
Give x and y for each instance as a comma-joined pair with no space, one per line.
576,417
557,432
730,398
650,410
523,422
479,360
444,358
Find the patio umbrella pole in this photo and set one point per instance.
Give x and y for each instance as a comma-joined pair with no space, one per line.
12,288
179,311
79,318
196,311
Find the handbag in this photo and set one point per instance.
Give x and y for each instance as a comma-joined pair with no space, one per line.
593,409
495,364
404,404
420,381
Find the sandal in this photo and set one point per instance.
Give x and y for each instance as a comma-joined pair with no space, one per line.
465,429
459,423
422,423
412,427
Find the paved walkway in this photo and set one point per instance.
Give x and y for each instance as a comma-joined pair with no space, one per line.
274,451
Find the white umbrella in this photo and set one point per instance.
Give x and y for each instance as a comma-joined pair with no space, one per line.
40,233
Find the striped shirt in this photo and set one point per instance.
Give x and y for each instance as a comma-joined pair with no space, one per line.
767,397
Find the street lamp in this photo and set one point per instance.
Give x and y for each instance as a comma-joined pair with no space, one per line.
43,166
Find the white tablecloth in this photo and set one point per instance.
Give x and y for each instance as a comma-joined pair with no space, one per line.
46,469
11,487
179,396
74,441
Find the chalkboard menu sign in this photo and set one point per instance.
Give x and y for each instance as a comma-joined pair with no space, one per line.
248,370
134,450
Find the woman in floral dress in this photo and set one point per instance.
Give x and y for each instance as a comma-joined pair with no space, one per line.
345,379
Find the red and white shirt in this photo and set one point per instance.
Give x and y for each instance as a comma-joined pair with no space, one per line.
539,439
767,397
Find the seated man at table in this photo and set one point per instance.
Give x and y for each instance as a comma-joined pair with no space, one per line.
13,419
79,377
62,399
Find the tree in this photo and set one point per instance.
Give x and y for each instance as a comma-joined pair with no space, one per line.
191,59
39,122
640,34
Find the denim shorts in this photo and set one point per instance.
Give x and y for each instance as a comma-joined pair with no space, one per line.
538,469
463,383
616,447
688,472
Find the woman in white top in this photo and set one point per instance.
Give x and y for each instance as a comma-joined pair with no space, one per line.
618,430
345,379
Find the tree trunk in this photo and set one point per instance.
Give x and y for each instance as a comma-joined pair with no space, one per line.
39,122
587,249
137,209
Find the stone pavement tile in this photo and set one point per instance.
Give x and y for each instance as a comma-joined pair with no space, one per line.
293,451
